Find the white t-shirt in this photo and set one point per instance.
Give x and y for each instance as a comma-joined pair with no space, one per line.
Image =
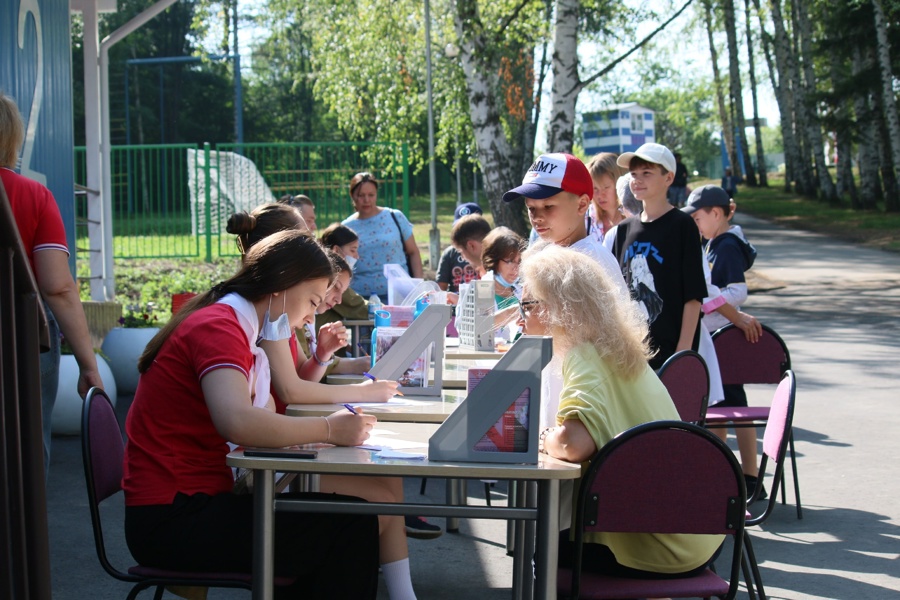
551,376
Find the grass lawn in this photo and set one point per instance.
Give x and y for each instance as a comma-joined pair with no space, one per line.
420,216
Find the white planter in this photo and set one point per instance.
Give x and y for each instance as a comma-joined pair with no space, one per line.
123,346
66,419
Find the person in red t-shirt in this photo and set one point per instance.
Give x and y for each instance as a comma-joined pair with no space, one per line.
44,238
204,382
291,371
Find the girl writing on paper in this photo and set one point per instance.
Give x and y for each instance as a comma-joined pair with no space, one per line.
289,384
252,227
205,382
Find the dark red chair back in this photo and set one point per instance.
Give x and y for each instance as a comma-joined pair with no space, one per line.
741,362
660,477
103,452
686,378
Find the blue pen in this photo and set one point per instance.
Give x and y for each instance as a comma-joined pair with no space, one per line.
350,408
373,378
362,348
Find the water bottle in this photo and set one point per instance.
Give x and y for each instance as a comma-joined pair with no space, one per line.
421,304
374,304
382,319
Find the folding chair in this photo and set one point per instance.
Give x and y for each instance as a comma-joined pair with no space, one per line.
686,377
741,362
775,440
103,452
659,477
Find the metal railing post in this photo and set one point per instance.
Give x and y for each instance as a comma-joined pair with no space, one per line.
405,153
207,193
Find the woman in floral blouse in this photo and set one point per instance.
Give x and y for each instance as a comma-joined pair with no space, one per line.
385,236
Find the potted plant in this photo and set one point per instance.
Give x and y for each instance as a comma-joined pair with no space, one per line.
125,344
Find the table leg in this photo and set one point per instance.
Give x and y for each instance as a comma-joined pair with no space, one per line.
263,534
453,498
547,539
518,497
511,501
528,541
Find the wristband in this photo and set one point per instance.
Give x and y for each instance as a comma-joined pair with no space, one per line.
327,435
541,439
322,363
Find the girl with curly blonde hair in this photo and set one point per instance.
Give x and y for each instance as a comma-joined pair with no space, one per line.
607,387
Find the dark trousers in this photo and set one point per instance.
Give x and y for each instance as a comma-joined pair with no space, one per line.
332,556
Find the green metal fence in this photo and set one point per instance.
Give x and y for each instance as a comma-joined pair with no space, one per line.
172,200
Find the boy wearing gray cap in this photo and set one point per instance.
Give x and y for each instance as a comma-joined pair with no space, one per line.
659,256
729,255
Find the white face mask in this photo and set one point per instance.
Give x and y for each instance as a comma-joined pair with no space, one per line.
350,261
280,328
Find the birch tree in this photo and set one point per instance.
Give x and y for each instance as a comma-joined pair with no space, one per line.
500,155
811,118
727,128
751,72
567,83
782,98
737,92
784,61
888,103
866,135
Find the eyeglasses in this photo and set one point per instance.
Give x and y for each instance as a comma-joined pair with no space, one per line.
511,262
526,303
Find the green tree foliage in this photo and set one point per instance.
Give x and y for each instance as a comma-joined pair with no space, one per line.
280,102
185,102
685,112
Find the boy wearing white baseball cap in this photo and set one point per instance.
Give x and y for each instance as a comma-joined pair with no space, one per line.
557,190
660,258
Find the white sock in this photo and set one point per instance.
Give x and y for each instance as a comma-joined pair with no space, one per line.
398,580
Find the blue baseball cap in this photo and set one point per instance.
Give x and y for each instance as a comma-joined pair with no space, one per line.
469,208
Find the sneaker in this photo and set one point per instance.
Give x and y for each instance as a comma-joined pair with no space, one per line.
418,527
750,481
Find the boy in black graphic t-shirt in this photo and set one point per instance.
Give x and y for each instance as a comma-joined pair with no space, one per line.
659,255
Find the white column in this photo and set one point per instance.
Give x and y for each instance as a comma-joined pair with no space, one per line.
92,147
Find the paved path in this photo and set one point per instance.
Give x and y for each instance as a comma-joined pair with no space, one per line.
836,305
839,312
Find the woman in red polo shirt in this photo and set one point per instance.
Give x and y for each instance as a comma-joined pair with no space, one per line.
204,381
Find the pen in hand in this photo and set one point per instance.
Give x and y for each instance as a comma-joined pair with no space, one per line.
373,378
351,409
362,348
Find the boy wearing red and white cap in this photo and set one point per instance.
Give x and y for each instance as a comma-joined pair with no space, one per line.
557,190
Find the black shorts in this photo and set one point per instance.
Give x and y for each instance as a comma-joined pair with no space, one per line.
215,533
735,397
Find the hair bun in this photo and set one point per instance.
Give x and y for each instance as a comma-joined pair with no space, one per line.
241,223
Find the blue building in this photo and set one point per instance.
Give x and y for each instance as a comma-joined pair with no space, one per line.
620,128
